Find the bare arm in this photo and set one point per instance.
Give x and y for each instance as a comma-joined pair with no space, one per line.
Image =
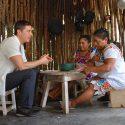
106,67
18,61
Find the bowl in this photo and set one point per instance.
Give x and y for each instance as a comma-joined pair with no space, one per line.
67,66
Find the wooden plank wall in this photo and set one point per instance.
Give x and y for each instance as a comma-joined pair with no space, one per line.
66,43
13,10
38,12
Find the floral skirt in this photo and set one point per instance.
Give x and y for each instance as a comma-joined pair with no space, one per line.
102,86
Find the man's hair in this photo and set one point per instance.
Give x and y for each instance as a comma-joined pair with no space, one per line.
87,37
101,33
20,25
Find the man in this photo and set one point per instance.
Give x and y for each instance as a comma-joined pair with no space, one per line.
111,73
15,70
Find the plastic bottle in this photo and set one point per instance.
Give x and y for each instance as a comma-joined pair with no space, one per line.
93,52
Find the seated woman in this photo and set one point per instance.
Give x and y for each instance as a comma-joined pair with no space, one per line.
111,73
85,55
106,97
81,57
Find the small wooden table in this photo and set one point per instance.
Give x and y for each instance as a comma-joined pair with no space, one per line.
62,77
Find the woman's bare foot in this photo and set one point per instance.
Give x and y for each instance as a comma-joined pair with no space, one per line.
74,103
71,105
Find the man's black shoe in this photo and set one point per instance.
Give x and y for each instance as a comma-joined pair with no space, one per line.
29,112
36,108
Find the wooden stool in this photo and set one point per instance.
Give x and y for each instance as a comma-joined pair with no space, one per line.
117,98
3,102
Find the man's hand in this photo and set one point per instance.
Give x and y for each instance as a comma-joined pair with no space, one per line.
45,59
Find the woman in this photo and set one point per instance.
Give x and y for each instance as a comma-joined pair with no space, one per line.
84,55
111,73
81,57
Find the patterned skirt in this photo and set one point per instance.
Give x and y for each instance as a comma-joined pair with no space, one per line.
102,86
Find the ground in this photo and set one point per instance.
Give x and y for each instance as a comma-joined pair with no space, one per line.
98,114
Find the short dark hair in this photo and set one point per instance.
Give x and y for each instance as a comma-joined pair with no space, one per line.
20,25
101,33
87,37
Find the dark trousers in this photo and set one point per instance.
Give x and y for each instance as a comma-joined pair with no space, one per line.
26,80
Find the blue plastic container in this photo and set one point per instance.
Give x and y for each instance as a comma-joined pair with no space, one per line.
67,66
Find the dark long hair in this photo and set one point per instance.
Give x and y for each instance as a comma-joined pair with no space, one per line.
101,33
87,37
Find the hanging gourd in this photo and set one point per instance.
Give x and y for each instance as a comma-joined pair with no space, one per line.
55,26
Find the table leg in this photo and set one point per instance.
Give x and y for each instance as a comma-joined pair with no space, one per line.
45,94
65,97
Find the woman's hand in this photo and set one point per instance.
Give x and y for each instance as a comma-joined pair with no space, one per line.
79,67
87,70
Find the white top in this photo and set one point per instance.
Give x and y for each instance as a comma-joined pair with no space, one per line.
116,77
9,47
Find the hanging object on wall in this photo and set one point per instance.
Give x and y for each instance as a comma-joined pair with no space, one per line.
121,4
79,20
79,25
55,26
107,18
82,19
88,18
79,15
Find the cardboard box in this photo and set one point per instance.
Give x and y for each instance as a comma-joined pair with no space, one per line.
117,98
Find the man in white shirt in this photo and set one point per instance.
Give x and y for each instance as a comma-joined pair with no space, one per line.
111,73
15,70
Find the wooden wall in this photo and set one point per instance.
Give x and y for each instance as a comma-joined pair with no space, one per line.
38,12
